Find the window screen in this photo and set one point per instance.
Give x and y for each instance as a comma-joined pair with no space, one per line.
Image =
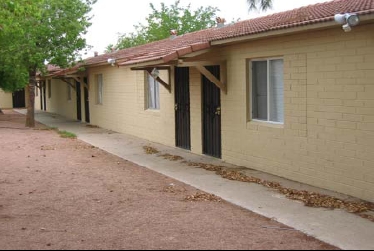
268,90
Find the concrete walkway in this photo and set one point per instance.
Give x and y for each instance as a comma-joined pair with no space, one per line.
338,228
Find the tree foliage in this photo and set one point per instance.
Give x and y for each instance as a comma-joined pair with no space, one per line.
39,31
13,74
161,21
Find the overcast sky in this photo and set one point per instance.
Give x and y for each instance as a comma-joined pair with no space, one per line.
111,17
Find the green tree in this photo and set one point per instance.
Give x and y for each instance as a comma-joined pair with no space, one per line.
12,74
262,5
161,21
35,32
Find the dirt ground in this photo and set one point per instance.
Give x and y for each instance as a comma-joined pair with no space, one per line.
60,193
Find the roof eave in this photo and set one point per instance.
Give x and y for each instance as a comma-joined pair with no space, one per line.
287,31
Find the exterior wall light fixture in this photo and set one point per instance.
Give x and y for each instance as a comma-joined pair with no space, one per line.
112,61
348,21
155,73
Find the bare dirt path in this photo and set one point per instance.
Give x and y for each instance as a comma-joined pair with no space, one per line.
60,193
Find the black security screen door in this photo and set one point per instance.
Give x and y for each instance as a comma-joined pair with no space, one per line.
182,108
45,96
212,115
19,99
79,101
87,102
41,96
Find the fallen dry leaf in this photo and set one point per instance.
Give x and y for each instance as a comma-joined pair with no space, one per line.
92,126
208,167
368,217
202,197
310,199
173,189
171,157
150,150
48,148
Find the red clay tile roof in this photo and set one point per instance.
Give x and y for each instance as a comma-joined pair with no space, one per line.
52,68
307,15
169,49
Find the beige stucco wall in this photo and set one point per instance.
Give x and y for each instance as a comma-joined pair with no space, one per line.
6,100
327,139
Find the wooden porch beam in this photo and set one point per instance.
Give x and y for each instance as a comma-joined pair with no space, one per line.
162,67
212,78
197,53
187,63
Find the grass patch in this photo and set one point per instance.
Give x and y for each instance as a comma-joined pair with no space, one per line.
67,135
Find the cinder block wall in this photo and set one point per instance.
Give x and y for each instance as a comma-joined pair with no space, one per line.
6,100
58,102
37,99
327,139
124,105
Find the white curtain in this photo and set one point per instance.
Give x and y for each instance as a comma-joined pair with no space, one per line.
100,89
153,93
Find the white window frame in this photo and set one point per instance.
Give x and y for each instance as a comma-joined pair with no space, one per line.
156,94
268,60
99,89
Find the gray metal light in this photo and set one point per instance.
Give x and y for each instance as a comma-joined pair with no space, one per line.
112,61
348,20
352,20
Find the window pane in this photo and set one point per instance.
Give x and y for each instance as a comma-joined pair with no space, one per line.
276,91
259,91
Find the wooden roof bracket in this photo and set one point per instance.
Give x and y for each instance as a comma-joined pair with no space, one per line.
221,84
162,82
81,80
66,81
